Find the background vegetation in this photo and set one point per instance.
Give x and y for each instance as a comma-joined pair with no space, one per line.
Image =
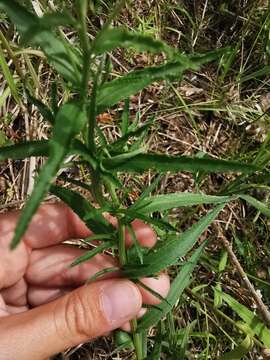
221,110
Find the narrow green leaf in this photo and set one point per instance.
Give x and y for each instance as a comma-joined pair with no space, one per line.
161,224
125,118
8,76
112,92
170,201
90,254
264,209
75,182
43,109
217,295
223,261
149,189
119,143
171,250
101,273
163,163
55,19
24,150
88,213
59,52
179,284
252,320
151,291
184,338
114,38
69,121
240,351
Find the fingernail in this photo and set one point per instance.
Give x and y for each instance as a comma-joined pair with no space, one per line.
121,301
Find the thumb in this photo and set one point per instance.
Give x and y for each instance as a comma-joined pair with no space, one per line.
83,314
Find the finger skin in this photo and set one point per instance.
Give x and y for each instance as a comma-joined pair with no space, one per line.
51,225
16,294
55,223
77,317
39,295
160,284
50,267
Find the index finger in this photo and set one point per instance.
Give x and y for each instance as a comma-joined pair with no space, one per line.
54,223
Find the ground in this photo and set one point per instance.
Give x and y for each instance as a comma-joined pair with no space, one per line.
221,109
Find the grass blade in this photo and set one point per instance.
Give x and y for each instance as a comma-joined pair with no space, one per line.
90,254
240,351
171,250
8,76
59,52
43,109
264,209
182,280
252,320
163,163
69,121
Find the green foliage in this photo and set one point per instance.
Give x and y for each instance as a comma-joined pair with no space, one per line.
176,200
89,90
179,284
163,163
119,37
68,123
257,204
91,216
40,32
24,150
172,249
240,351
252,320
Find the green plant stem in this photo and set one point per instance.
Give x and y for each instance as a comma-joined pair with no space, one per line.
92,118
82,10
97,188
137,340
122,244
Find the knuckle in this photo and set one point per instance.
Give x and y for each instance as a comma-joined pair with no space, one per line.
80,316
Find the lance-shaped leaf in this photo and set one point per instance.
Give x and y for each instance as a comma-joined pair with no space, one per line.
59,52
91,253
263,208
121,142
170,201
88,213
182,280
42,148
69,121
252,320
24,150
114,38
171,250
44,110
163,163
112,92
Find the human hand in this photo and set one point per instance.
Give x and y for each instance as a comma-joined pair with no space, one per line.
44,308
